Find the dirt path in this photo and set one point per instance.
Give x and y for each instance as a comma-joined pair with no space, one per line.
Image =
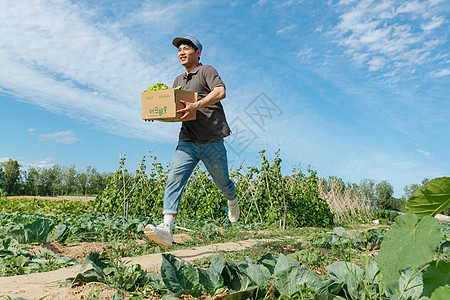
39,285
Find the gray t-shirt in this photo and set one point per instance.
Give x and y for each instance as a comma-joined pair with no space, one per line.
210,124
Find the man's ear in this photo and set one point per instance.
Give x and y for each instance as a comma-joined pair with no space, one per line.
199,53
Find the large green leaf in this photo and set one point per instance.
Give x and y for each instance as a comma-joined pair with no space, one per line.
438,274
235,276
289,276
431,201
91,275
258,273
442,293
269,261
348,276
96,262
217,264
59,231
180,277
408,286
407,245
212,278
38,231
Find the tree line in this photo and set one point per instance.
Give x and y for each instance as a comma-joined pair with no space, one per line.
65,181
53,181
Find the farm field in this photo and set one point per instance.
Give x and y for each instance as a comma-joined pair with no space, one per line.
45,254
61,249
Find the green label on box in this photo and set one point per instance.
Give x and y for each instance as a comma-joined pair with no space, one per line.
163,96
158,111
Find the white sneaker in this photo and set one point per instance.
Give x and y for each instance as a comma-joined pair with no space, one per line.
162,235
233,213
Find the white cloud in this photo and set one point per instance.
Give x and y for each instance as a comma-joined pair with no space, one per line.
394,31
345,2
290,2
376,63
60,137
414,7
42,164
25,164
162,16
440,73
53,55
434,23
31,130
286,28
425,153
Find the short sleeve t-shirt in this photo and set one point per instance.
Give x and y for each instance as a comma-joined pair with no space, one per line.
210,124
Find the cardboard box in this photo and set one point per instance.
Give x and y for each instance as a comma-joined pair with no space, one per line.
162,105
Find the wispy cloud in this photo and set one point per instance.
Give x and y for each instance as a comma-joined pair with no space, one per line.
44,163
60,137
54,55
374,32
286,28
290,2
440,73
26,164
425,153
156,15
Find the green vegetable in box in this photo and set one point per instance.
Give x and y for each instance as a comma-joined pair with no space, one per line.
161,86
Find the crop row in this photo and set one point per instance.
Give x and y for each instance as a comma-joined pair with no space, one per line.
405,268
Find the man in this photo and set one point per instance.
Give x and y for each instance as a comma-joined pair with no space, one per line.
199,140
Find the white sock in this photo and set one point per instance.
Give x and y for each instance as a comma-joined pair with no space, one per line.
232,203
169,220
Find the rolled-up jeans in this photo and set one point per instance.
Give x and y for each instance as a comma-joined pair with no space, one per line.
186,157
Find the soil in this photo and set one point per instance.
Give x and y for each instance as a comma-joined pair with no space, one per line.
40,285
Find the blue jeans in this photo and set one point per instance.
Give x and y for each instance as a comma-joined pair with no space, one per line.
186,157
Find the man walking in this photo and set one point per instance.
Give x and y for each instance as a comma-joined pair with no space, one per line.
199,140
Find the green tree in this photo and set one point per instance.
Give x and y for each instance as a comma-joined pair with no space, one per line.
82,180
383,195
367,189
70,180
50,181
397,204
95,181
11,177
32,182
2,178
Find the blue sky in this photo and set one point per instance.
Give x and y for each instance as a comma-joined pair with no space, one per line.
356,89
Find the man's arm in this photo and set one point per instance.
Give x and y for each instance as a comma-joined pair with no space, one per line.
217,94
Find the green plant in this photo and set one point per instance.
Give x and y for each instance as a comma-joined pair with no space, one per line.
15,259
296,203
432,200
111,271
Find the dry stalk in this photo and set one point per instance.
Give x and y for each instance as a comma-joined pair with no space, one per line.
347,205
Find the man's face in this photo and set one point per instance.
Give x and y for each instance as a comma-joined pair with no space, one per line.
187,55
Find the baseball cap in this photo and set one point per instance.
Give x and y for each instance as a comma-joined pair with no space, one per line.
178,40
